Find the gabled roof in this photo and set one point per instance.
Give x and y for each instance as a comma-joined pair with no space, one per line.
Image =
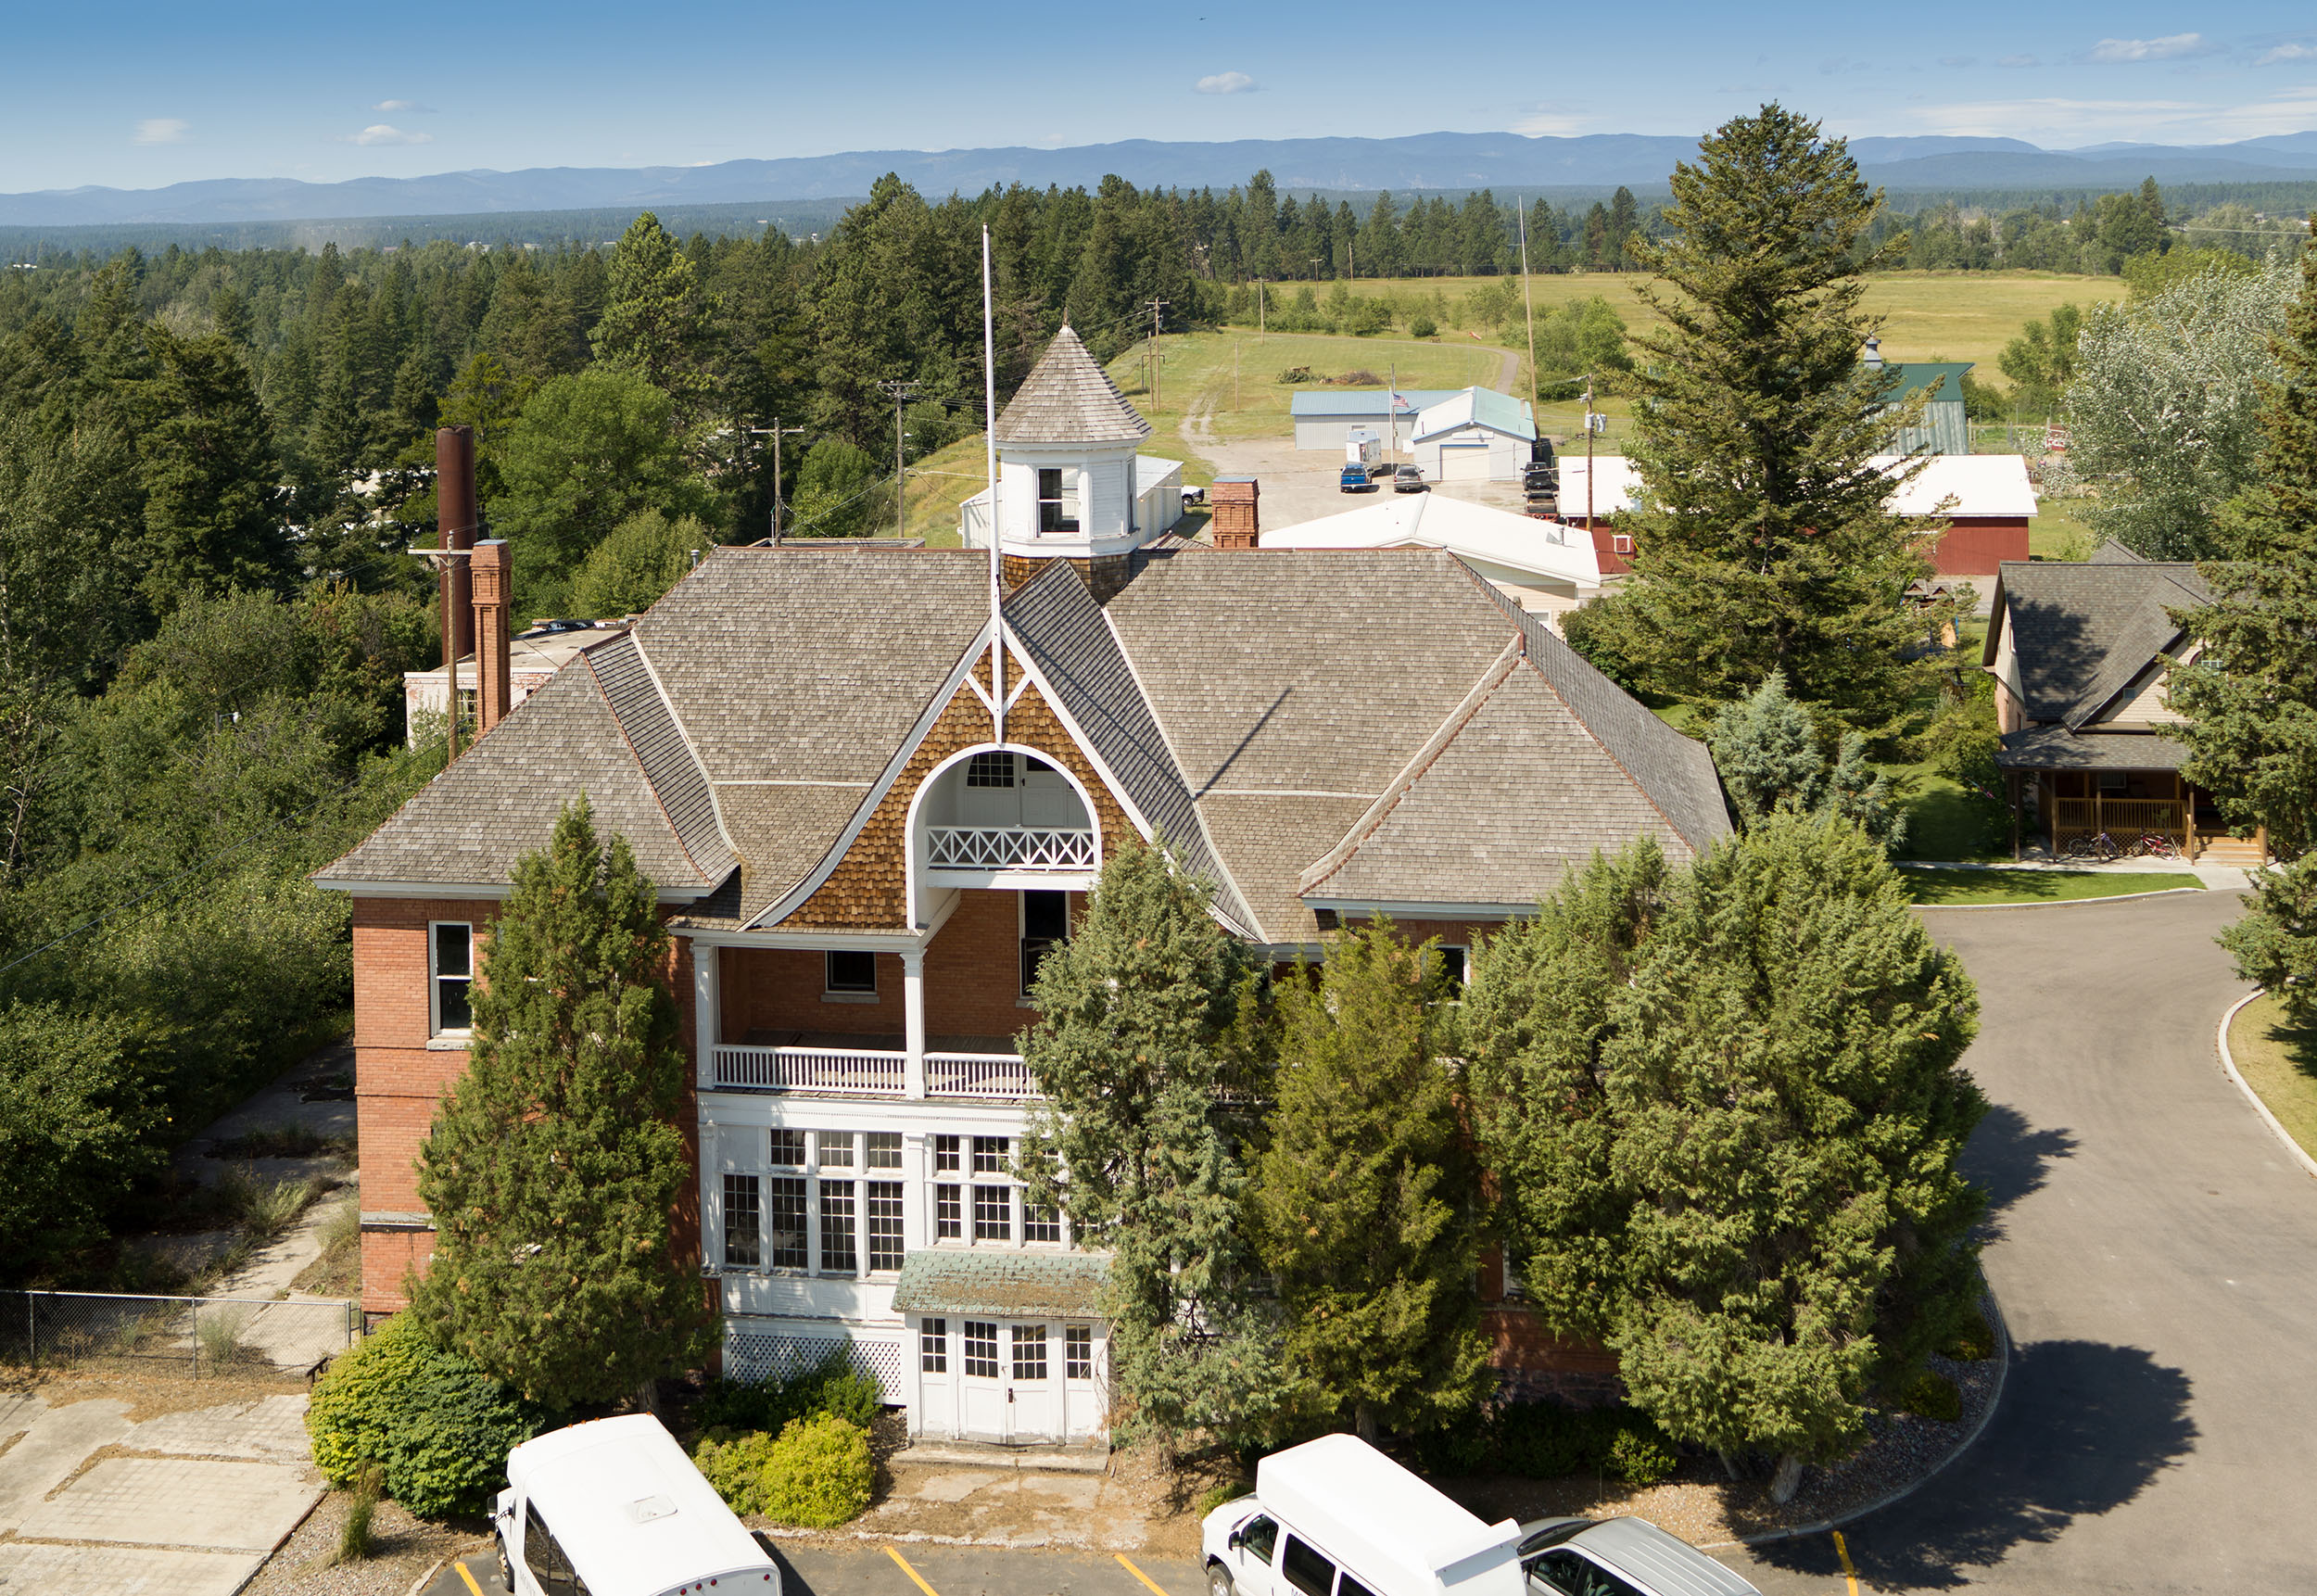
1069,398
2083,633
1496,540
1943,378
1321,404
1478,407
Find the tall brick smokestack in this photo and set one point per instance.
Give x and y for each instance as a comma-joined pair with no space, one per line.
454,514
493,579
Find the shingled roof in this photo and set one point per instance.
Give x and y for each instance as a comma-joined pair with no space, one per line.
1069,398
1305,727
2083,633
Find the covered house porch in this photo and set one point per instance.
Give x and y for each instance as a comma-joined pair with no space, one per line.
2069,786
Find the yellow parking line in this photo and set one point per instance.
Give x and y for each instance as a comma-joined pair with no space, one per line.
1148,1583
914,1577
469,1577
1844,1553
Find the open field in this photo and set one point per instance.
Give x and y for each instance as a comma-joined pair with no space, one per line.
1927,315
2278,1060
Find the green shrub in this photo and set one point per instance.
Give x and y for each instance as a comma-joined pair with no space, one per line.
1215,1496
1934,1396
832,1387
354,1538
1639,1458
437,1427
1974,1343
734,1464
1424,327
817,1474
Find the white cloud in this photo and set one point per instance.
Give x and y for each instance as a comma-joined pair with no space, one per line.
2172,47
2275,54
2017,61
1226,84
162,130
403,106
2089,121
1958,60
1545,122
379,133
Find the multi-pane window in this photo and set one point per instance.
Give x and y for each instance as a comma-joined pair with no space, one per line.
981,1351
993,1214
785,1207
743,1229
933,1346
1057,503
949,1216
1028,1351
1078,1353
944,1153
988,771
884,1224
883,1149
991,1154
851,971
1040,1221
839,1253
836,1149
452,955
788,1149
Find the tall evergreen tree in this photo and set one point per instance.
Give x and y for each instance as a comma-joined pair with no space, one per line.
654,320
555,1164
1764,540
1143,1057
211,516
1367,1197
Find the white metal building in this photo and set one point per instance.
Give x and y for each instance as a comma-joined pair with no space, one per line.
1477,435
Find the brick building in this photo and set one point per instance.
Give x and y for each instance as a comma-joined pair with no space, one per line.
872,794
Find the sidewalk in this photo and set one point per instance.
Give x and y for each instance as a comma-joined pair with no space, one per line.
2216,877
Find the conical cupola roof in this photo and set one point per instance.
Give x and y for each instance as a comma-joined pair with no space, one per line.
1069,399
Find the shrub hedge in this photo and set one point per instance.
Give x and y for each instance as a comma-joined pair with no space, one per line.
832,1387
817,1474
439,1427
1537,1440
1934,1396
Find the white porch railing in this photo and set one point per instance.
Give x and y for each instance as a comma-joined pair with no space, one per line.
1010,848
859,1071
977,1075
832,1070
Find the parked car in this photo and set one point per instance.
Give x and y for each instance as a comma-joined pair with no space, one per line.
1619,1557
614,1508
1355,479
1409,479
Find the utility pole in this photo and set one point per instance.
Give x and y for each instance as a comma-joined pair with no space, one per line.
776,432
1528,307
1259,307
1156,306
901,393
446,562
1588,454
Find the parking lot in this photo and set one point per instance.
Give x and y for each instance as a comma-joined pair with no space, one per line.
1303,485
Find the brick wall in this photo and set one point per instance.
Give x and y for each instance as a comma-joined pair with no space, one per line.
1533,1364
779,989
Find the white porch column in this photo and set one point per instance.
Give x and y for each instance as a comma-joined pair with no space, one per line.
913,1013
708,1005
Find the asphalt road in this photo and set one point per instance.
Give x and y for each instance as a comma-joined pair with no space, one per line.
2155,1257
868,1569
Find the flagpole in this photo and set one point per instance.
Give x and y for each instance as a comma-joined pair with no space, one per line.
989,437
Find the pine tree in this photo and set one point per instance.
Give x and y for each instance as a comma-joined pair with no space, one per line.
1770,754
654,322
1764,540
212,519
1367,1197
1143,1058
555,1164
2251,697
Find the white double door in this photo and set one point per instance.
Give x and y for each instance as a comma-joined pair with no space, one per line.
1011,1385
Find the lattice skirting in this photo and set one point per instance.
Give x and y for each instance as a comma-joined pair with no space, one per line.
757,1355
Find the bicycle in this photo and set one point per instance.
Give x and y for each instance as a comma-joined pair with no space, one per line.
2155,846
2102,848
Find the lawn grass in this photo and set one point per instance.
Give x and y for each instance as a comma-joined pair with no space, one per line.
2279,1063
938,485
1927,315
2060,532
1934,886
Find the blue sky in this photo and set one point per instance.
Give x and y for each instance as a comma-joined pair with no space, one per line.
138,95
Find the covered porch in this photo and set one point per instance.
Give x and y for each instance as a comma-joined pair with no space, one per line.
2069,786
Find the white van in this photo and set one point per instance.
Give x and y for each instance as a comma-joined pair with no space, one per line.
1336,1517
614,1508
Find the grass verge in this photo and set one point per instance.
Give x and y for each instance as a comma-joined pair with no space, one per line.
1933,886
2278,1060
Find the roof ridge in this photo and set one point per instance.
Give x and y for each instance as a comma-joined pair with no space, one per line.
1480,692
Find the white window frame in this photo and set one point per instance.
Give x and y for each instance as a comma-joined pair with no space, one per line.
435,978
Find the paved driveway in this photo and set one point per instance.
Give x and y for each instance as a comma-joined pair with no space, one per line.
2157,1260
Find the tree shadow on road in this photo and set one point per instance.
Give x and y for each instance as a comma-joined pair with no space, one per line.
2008,1158
2084,1428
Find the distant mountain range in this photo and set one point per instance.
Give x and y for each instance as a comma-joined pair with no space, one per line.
1423,162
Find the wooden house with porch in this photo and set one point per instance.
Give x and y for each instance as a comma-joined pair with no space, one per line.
2078,652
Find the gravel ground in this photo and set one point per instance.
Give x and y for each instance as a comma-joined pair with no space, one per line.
403,1549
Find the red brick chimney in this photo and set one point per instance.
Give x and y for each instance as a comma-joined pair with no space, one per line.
454,515
1236,523
494,574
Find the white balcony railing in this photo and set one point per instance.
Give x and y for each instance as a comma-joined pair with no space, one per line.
977,1075
1010,848
844,1072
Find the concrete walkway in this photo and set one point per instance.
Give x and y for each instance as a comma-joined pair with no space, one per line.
188,1503
2152,1247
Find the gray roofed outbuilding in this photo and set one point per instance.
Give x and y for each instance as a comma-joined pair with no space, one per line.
1003,1284
1067,399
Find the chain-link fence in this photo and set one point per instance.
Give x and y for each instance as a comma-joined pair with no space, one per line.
186,1338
